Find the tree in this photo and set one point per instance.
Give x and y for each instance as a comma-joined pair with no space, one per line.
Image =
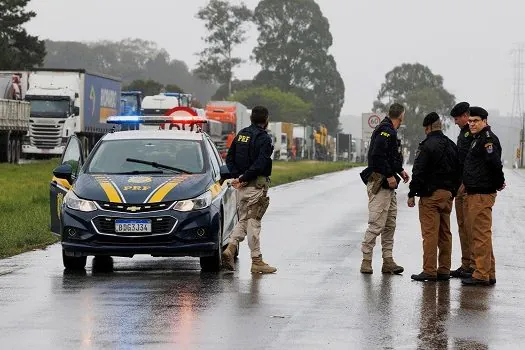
147,87
421,92
236,85
226,26
283,106
292,49
129,59
18,49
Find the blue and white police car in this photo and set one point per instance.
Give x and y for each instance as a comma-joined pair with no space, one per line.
154,192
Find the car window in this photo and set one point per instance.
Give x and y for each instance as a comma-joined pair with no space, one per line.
213,159
110,156
72,155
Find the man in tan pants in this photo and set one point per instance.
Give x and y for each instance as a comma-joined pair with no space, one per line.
460,113
249,158
380,177
435,179
483,177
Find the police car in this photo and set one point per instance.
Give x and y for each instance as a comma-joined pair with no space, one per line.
155,192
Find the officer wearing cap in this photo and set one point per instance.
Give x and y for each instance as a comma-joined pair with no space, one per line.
250,159
460,113
435,179
483,177
381,179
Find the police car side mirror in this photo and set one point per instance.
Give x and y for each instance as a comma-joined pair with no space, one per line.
225,172
64,171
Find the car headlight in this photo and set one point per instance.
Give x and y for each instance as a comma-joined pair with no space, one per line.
75,203
200,202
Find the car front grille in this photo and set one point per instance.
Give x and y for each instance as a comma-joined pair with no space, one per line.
161,225
134,208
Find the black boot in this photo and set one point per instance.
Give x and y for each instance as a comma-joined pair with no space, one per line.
424,277
474,282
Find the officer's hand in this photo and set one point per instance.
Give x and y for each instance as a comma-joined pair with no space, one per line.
411,202
392,183
405,176
502,187
236,184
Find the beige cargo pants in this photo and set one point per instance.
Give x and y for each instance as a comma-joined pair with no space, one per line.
382,212
252,204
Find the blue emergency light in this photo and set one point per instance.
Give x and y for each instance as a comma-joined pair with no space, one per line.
154,120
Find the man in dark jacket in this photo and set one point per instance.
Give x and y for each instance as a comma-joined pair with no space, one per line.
460,113
249,159
381,179
435,179
483,177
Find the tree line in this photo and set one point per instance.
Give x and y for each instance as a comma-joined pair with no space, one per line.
298,79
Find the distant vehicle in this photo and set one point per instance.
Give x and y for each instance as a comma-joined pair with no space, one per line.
14,117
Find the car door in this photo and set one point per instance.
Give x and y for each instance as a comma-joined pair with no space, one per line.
229,194
73,155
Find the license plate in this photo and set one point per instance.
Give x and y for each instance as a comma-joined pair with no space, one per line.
132,226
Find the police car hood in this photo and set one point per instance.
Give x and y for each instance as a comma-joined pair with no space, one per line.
140,189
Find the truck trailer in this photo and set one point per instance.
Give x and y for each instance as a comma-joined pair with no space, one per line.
14,117
67,102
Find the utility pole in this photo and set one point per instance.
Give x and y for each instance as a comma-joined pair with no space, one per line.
517,103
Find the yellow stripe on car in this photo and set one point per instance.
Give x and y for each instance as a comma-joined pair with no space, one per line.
62,182
109,189
215,189
163,190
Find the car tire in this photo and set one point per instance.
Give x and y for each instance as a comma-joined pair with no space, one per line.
74,262
213,263
102,263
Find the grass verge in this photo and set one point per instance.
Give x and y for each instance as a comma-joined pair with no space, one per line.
24,207
24,199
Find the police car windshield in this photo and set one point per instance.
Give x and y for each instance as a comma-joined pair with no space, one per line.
111,157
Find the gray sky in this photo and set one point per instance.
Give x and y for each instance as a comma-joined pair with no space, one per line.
467,42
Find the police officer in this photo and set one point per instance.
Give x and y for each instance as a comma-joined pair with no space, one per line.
249,159
460,113
435,179
483,177
381,179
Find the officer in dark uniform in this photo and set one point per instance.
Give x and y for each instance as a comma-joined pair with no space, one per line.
435,179
249,159
460,113
381,179
483,177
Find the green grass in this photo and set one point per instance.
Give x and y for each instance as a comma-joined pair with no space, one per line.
24,199
286,172
24,207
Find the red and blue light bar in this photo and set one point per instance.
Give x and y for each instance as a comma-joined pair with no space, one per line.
177,115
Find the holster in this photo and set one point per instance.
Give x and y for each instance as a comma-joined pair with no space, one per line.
376,181
258,209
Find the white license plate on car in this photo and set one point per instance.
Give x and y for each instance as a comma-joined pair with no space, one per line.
134,226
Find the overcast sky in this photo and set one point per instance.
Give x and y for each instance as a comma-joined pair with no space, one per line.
468,42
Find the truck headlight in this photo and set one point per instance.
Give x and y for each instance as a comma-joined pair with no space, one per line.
75,203
200,202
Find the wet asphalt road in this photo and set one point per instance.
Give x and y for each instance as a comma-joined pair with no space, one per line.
317,300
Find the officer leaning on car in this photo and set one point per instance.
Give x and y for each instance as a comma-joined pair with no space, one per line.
249,162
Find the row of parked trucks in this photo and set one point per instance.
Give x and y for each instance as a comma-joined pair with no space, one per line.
41,108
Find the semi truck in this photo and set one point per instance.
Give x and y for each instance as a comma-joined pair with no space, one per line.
67,102
14,117
233,116
282,134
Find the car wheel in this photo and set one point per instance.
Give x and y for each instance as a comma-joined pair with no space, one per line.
102,263
74,262
213,263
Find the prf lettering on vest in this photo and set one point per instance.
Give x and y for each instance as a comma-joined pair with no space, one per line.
243,138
